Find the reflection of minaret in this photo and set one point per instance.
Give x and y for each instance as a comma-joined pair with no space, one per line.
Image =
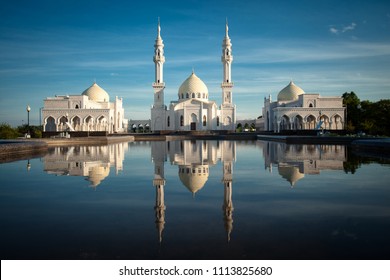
158,155
227,198
160,206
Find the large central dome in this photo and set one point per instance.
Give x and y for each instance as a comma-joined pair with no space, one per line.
290,92
96,93
194,177
193,87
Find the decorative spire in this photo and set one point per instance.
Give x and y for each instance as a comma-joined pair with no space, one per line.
158,28
227,28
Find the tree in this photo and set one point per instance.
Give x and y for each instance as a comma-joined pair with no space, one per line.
7,132
352,103
35,131
380,115
239,127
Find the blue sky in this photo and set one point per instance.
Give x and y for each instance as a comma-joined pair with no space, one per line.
61,47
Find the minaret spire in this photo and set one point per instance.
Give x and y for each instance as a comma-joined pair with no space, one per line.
227,29
158,28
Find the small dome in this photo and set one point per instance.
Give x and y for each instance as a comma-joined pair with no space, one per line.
96,93
193,85
290,92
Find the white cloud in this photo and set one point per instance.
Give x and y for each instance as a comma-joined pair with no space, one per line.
333,30
349,27
343,29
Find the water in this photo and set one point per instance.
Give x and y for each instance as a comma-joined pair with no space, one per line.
196,200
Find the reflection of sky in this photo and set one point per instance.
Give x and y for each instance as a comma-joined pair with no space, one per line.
330,215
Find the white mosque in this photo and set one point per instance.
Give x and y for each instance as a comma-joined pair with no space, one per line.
193,111
296,110
89,111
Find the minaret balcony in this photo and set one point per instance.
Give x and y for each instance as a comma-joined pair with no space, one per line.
227,85
158,182
159,85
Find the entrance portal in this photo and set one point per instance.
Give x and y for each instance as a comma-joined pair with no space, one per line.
193,126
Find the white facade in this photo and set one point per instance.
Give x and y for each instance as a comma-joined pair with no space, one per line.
90,111
297,110
193,110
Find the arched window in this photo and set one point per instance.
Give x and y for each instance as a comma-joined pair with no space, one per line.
204,121
181,120
198,95
187,95
311,105
193,95
50,124
182,95
217,121
168,121
77,106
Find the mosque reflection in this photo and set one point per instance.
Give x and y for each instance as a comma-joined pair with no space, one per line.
294,161
91,162
194,159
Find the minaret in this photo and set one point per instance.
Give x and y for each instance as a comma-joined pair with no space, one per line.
158,60
228,109
227,59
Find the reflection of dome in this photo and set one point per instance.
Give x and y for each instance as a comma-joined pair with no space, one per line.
290,173
290,92
194,177
96,93
193,85
97,174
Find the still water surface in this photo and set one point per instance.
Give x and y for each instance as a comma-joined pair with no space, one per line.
196,200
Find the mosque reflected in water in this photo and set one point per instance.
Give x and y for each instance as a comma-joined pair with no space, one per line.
194,160
91,162
293,162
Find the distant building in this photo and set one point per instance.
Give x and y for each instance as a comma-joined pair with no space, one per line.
296,110
89,111
193,110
